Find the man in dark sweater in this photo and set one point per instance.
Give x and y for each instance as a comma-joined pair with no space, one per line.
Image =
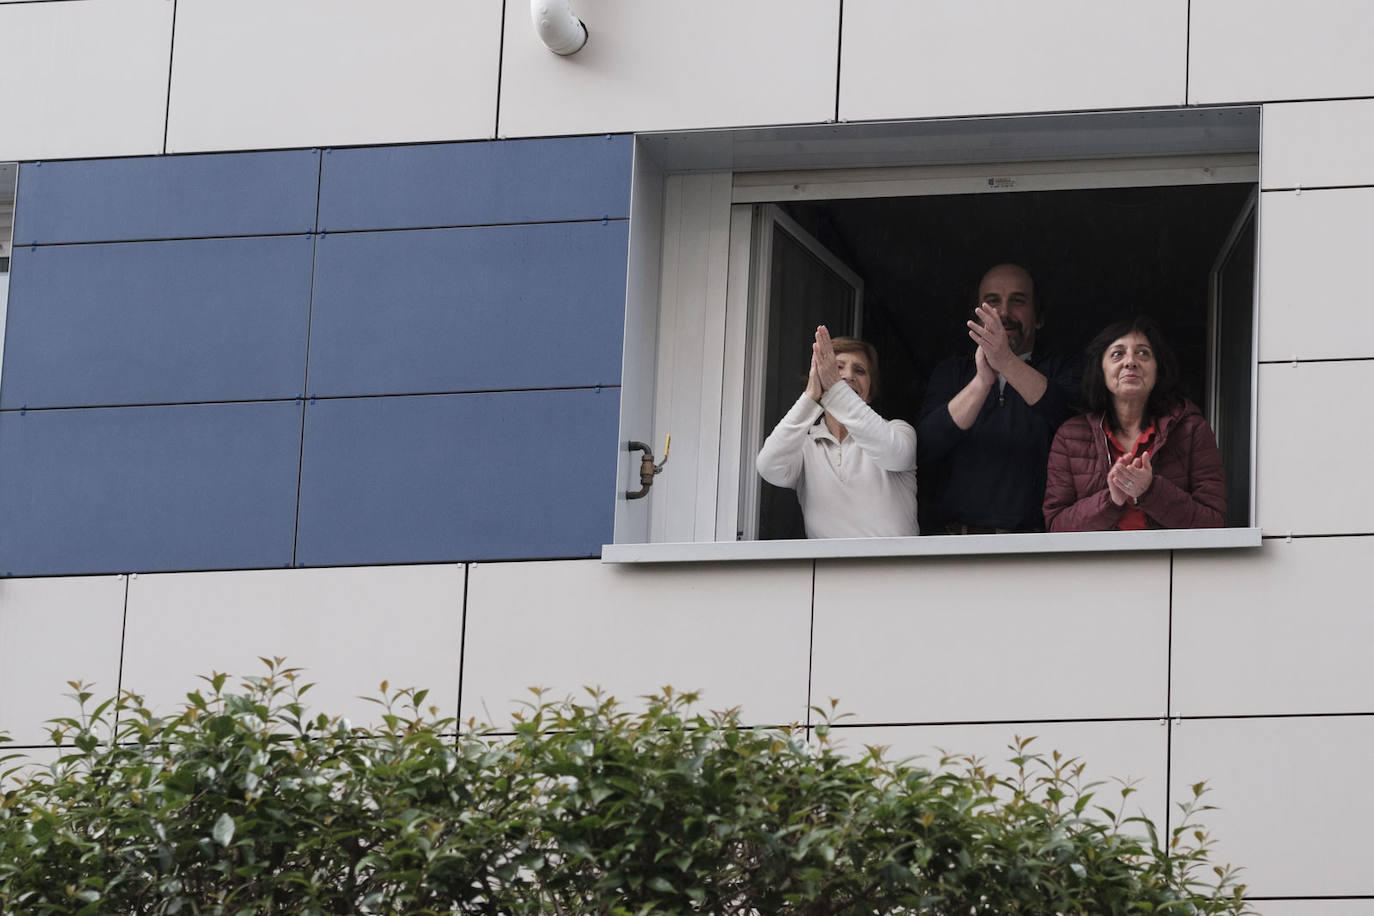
990,416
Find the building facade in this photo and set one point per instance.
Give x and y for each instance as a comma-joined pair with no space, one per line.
328,323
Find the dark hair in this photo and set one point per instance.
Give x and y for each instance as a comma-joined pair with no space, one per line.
1167,392
854,345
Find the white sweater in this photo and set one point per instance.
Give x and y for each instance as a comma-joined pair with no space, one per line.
864,486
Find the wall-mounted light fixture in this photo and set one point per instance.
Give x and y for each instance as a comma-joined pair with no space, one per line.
558,26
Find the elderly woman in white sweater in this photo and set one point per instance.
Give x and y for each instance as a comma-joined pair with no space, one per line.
854,473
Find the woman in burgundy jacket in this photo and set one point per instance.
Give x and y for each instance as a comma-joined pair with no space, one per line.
1142,456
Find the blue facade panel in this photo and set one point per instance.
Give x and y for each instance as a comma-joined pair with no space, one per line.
479,183
148,488
166,197
507,475
157,322
442,310
144,290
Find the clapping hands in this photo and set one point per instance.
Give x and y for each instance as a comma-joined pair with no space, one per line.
1129,479
824,371
991,337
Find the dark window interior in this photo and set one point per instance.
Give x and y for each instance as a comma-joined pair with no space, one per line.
1096,255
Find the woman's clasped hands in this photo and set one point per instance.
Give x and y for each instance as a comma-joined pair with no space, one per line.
1129,479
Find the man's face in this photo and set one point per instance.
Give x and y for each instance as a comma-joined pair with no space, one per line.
854,370
1010,292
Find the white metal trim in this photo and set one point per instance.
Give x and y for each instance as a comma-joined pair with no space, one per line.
1256,316
995,178
756,250
935,546
736,470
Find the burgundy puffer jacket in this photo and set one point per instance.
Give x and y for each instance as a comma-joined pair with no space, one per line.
1188,489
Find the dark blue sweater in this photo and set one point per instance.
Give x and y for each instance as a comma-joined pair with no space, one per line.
996,468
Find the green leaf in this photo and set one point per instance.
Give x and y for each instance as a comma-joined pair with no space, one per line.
223,833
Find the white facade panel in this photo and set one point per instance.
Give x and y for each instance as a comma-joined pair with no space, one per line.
53,631
33,760
1265,50
993,639
349,628
1312,907
964,57
282,73
1115,753
1293,804
1312,451
84,79
1283,629
1310,243
656,66
1314,144
738,634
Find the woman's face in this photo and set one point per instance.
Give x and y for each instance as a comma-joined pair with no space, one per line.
1129,367
854,370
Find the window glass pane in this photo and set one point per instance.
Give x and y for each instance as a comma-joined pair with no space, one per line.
1235,360
804,293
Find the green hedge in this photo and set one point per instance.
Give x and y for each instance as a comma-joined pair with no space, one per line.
245,803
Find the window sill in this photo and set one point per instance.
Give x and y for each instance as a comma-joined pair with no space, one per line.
933,546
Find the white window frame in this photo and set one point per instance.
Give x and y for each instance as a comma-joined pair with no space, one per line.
699,317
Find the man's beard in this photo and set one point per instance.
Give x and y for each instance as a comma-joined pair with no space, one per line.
1016,335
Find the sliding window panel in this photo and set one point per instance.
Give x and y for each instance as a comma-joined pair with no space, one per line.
1291,803
84,79
264,74
444,310
963,57
1280,630
1263,50
476,184
53,631
1312,468
1315,144
503,475
166,197
656,66
1309,244
157,322
348,629
137,489
993,639
737,633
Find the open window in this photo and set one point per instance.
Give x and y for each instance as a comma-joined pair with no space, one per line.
883,231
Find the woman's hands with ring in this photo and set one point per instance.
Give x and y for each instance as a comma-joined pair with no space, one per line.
1129,479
